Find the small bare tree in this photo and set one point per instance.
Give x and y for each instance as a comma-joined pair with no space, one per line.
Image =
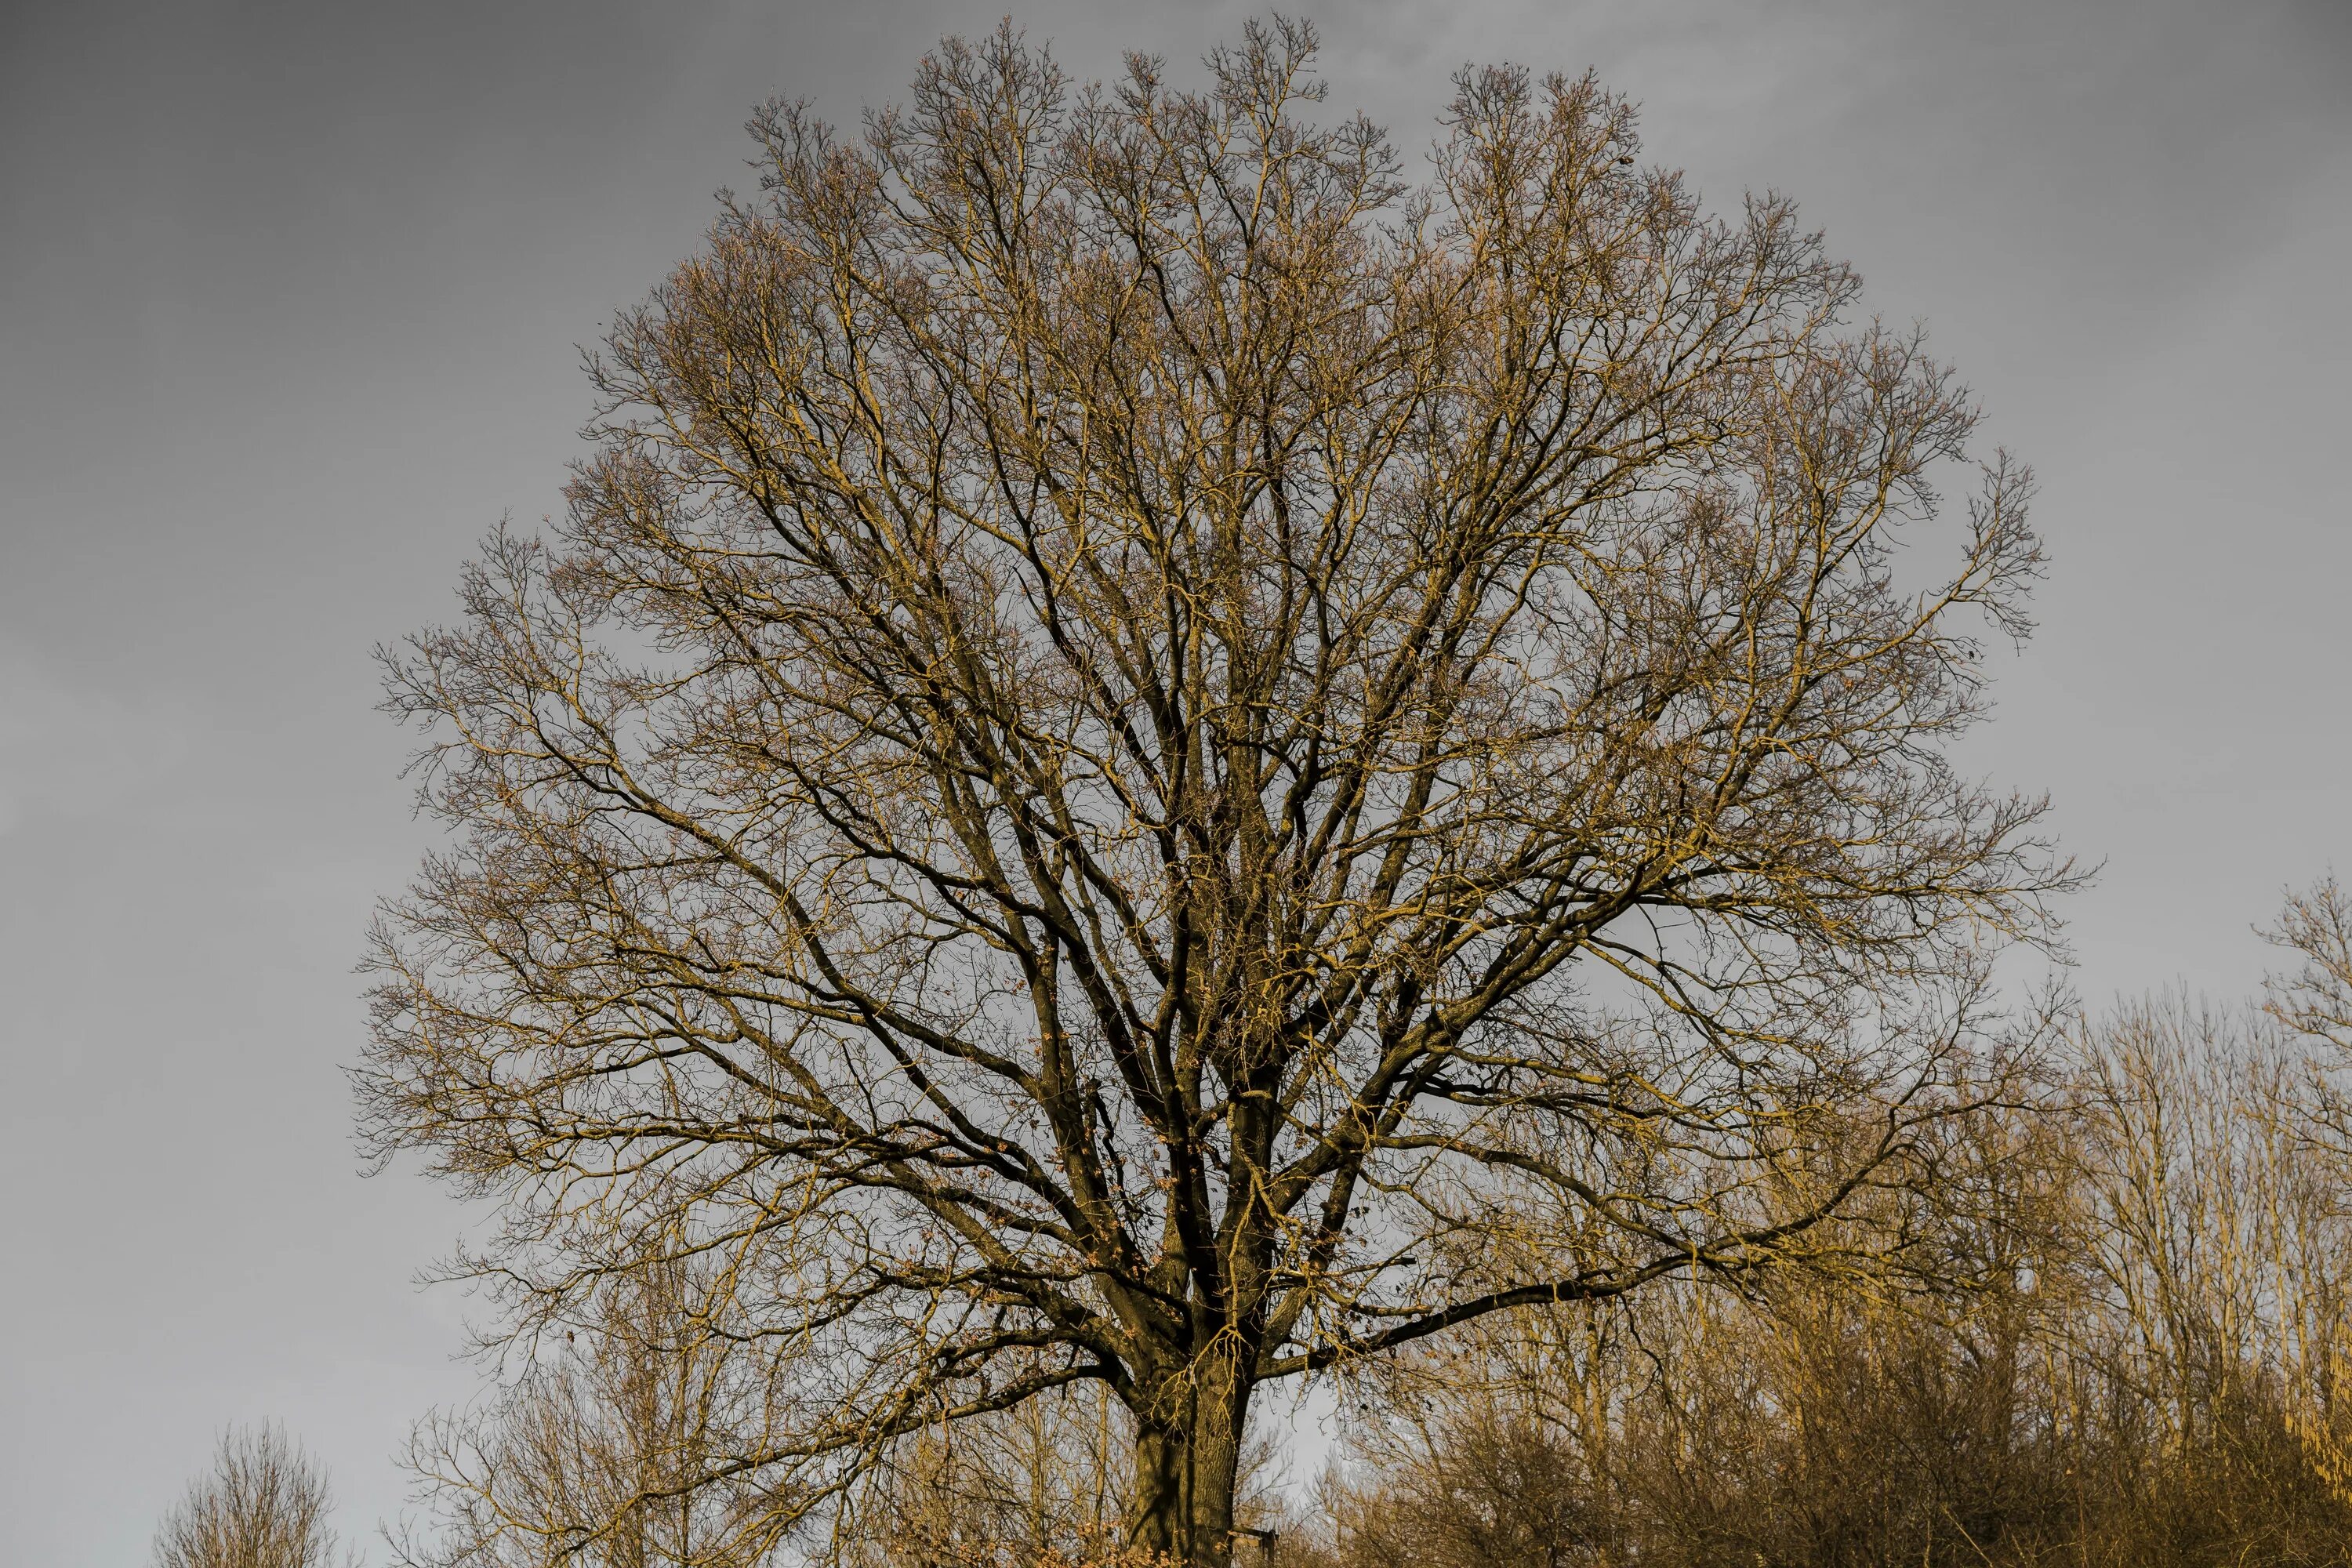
1150,756
612,1447
2315,999
264,1505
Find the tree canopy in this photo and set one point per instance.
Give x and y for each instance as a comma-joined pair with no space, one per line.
1151,753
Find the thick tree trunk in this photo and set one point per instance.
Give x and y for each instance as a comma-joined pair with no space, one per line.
1187,1456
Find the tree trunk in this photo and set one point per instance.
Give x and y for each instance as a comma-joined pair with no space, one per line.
1187,1459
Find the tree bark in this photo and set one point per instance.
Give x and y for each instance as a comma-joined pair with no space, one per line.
1187,1463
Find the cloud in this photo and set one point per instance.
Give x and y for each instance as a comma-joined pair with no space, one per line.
72,751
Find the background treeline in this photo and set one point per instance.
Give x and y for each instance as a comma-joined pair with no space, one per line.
2136,1350
2147,1367
2118,1332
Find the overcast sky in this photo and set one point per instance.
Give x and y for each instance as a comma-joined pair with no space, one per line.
290,296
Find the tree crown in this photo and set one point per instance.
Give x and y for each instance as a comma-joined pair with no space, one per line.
1150,753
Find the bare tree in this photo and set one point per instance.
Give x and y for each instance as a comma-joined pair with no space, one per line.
2315,999
999,1492
611,1448
1150,756
264,1505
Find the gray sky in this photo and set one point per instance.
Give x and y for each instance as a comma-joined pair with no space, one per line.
288,296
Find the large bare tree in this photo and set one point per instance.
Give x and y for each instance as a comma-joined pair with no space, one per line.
1151,753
